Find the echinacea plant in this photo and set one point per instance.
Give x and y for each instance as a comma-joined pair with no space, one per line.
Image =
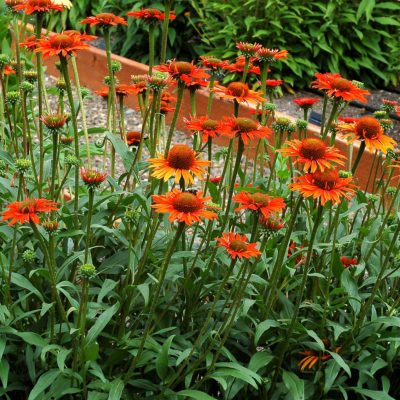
249,259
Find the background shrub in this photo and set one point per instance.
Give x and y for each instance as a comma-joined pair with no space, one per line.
359,39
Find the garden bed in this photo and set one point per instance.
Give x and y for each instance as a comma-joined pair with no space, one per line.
92,67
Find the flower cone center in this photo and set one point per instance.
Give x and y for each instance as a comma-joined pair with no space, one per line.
260,198
238,245
106,17
27,205
181,157
326,180
186,203
61,41
368,127
238,89
313,148
342,84
133,137
210,124
245,124
182,67
40,3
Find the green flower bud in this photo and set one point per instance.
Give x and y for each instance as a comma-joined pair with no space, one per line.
85,92
61,85
72,160
13,98
4,60
87,271
270,107
29,256
30,76
107,80
22,165
27,87
345,174
116,66
301,124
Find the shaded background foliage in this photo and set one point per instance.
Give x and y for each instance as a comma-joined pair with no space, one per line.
359,39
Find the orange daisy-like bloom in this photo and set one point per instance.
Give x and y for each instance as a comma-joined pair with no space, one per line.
273,82
63,44
183,69
240,92
212,62
194,83
30,43
121,89
184,206
260,202
8,70
181,162
272,223
348,261
236,245
209,128
27,210
92,177
166,100
337,86
312,356
348,120
238,66
313,153
270,55
133,138
305,102
247,128
104,20
38,6
150,14
369,130
326,186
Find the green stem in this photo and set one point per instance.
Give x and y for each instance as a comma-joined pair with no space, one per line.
181,88
82,109
151,48
358,158
89,223
164,39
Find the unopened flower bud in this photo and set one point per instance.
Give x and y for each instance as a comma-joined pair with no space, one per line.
30,76
87,271
27,87
13,98
22,165
116,66
29,256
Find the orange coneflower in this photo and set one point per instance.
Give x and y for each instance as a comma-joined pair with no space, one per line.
92,177
104,20
27,210
150,14
121,89
260,202
369,130
30,43
209,128
193,83
239,64
246,128
348,120
348,261
313,153
183,206
240,92
248,49
212,62
8,70
183,71
326,186
133,138
38,6
312,356
272,223
337,86
305,102
166,100
270,55
181,162
237,246
63,44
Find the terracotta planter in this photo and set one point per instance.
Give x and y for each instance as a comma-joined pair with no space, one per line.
92,65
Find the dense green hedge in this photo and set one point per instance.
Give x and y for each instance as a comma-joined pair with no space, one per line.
358,38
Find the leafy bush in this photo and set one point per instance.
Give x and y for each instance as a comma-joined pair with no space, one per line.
355,38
